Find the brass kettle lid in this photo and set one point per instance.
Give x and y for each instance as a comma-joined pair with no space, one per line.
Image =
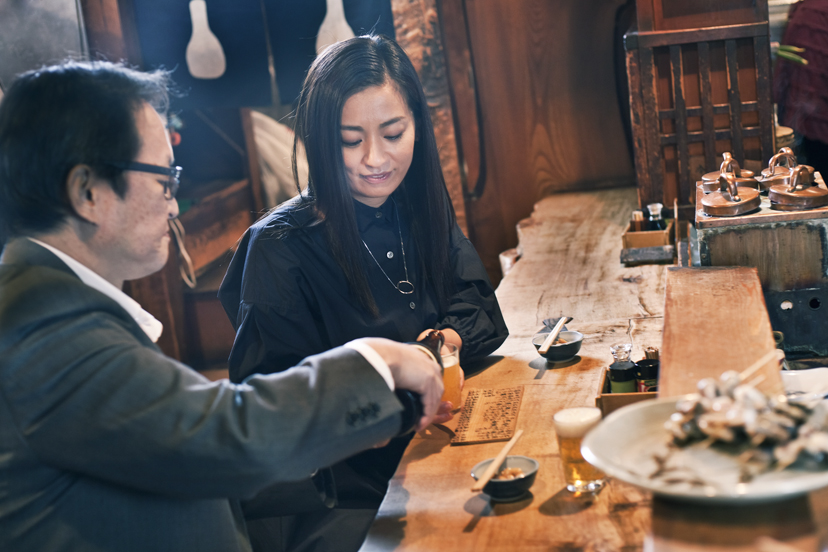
744,177
730,199
800,194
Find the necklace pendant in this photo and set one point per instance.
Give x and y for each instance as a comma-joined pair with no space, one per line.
405,287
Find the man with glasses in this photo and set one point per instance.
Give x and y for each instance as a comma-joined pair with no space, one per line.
105,443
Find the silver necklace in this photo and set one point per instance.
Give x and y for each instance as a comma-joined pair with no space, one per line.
403,286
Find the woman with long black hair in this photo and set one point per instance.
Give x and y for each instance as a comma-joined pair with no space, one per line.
371,248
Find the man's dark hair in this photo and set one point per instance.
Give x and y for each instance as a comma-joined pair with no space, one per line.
57,117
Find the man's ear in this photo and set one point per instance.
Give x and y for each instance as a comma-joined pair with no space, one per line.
83,190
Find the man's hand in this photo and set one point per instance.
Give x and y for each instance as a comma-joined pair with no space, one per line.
414,370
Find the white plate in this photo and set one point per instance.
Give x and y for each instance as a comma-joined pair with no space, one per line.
623,444
809,380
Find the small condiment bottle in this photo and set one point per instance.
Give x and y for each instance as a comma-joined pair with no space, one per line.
646,375
622,371
637,223
656,222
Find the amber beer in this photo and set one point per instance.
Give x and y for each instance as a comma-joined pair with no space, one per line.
571,425
451,375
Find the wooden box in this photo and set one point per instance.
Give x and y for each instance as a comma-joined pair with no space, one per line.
650,238
609,402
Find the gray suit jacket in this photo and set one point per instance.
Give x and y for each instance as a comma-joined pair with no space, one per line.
107,444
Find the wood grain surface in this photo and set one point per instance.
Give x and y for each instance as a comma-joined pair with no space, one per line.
545,82
417,29
569,266
715,320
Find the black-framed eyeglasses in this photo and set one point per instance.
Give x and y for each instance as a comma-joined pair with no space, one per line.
170,186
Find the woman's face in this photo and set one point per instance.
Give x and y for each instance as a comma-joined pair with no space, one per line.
378,135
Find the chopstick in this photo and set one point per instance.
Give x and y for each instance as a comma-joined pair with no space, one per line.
495,465
756,366
553,335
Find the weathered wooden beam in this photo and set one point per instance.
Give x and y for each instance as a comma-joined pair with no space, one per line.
418,32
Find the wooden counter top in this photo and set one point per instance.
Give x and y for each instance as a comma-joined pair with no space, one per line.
570,266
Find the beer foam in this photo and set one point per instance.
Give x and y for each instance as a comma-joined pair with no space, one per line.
576,422
449,361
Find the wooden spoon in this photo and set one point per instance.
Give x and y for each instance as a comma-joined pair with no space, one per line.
495,465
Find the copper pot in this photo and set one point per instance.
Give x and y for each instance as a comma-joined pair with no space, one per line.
779,170
744,177
801,194
730,199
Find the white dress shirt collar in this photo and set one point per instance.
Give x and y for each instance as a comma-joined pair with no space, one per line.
151,325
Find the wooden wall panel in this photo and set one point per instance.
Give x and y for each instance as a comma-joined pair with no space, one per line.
551,118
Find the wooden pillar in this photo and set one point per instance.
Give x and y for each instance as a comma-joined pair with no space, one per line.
417,27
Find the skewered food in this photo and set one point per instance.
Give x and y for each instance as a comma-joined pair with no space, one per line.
766,431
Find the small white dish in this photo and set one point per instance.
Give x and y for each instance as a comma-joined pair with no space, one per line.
807,381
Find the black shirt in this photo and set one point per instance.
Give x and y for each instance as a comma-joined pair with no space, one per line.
288,299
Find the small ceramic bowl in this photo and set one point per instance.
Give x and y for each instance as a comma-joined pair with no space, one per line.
564,351
508,490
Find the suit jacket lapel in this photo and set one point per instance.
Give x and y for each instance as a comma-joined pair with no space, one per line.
22,251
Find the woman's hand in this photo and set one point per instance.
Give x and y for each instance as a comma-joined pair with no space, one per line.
449,336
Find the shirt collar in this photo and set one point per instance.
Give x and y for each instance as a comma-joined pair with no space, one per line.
366,216
151,325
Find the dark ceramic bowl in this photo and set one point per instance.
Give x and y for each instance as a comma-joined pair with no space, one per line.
564,351
508,490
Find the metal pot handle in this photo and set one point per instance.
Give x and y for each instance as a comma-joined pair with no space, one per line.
728,163
727,185
785,154
795,173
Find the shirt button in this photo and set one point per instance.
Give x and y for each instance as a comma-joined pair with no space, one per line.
412,305
390,254
378,214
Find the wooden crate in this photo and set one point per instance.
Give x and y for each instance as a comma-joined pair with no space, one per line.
697,92
609,402
649,238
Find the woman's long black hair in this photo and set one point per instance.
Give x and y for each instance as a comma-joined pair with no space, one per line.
338,73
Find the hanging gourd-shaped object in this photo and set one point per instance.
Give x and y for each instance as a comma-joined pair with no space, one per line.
334,27
802,194
744,177
730,200
205,56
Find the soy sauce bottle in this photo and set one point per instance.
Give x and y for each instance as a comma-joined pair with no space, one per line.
622,371
656,222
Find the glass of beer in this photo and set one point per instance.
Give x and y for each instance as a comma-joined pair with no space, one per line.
451,375
571,424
